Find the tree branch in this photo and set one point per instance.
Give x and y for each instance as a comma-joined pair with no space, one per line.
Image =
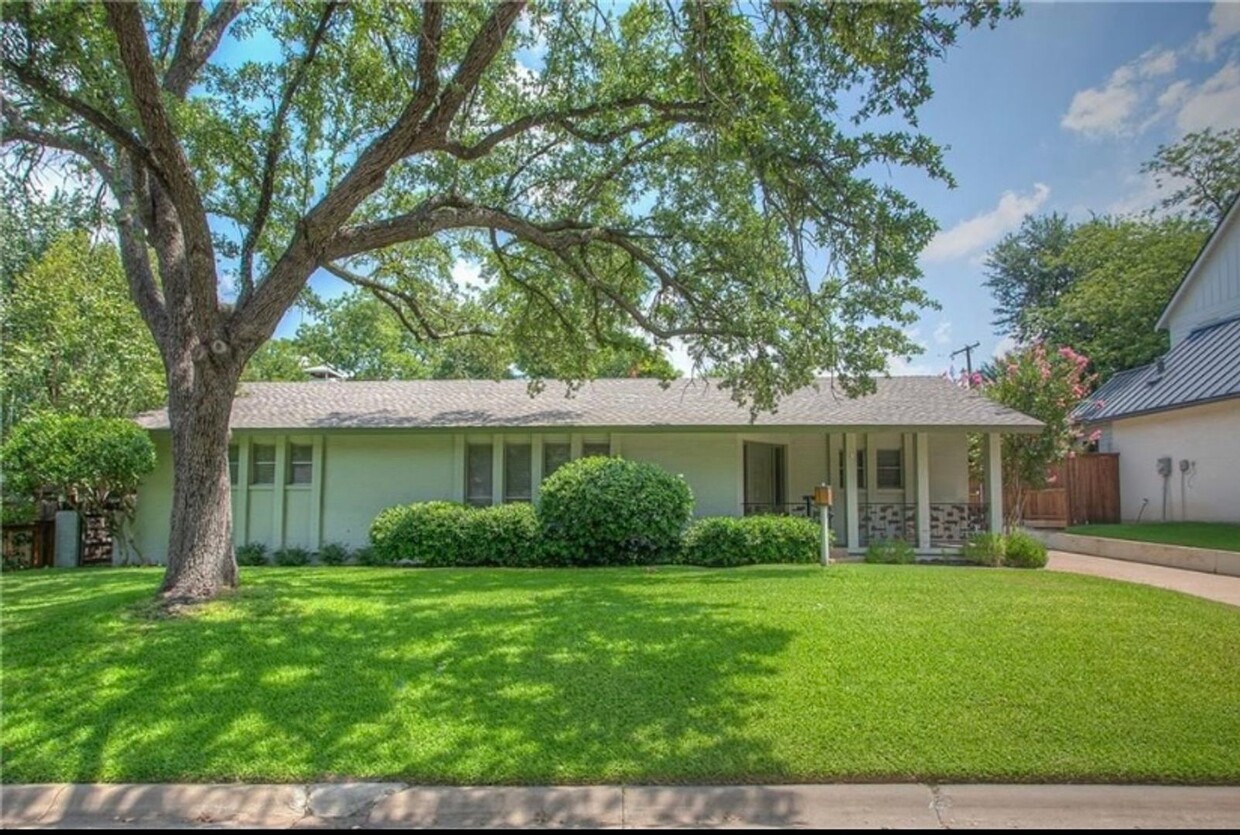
126,23
386,294
49,90
15,130
275,147
194,48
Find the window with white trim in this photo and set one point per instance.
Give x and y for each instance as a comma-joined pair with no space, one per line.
890,469
555,455
300,463
518,473
478,474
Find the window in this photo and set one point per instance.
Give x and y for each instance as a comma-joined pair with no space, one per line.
263,464
554,457
234,462
861,469
890,469
478,476
602,448
517,473
300,463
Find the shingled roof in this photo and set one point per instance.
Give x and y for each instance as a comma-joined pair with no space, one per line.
910,403
1202,368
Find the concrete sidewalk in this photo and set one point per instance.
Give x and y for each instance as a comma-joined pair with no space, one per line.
379,805
1210,586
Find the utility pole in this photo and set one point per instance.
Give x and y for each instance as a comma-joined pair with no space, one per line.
968,361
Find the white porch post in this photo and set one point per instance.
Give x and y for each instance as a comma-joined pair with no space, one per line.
853,529
992,473
923,491
497,469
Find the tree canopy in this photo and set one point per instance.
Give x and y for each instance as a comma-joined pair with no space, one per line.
1203,171
1026,274
73,341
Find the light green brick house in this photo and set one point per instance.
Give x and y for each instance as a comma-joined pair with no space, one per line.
313,463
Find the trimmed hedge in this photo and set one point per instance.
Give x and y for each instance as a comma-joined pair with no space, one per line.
444,534
613,511
723,541
251,553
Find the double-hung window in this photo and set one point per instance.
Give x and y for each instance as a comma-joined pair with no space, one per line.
478,477
518,475
263,464
300,464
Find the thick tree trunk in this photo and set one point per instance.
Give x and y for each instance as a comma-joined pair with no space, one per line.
200,549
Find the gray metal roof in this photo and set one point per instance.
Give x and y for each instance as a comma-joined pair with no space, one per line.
1204,367
911,403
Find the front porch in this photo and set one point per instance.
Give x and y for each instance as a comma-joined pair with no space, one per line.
912,486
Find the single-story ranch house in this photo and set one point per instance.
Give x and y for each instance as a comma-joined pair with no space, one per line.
314,462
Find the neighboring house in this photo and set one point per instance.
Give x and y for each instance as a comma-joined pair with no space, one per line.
315,462
1176,422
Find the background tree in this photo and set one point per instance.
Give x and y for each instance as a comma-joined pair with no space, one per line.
1126,271
1203,169
1045,384
73,341
31,222
1027,275
688,171
93,465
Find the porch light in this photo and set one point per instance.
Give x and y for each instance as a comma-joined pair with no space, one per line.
823,496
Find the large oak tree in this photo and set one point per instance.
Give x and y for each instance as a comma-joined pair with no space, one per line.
696,171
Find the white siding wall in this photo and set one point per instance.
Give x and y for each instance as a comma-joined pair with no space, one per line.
949,467
1207,436
711,463
1214,294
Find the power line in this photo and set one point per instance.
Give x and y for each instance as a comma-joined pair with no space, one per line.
968,361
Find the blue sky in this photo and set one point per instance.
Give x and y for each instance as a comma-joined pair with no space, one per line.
1056,111
1053,111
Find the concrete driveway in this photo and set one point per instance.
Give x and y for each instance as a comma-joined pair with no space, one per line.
1210,586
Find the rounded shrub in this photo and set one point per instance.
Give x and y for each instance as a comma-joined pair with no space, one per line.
612,511
505,536
425,533
333,553
984,549
1023,551
252,553
753,540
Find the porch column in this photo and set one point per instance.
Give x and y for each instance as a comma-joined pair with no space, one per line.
497,469
992,473
852,529
923,491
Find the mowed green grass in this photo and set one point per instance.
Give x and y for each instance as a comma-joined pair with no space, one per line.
1224,536
856,672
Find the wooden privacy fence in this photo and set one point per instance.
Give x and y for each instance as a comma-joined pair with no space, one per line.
29,546
1080,490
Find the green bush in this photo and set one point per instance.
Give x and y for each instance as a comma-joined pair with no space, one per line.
612,511
985,549
292,555
367,555
1023,551
252,553
425,533
442,534
507,536
893,551
721,541
333,553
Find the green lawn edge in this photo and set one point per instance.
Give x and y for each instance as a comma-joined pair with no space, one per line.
1222,536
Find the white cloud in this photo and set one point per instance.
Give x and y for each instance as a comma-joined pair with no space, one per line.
943,333
972,236
1215,104
919,365
1111,108
1004,345
1224,25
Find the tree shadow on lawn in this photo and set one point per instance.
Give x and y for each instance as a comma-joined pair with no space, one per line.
430,677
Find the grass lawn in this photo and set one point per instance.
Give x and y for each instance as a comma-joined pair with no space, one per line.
1224,536
858,672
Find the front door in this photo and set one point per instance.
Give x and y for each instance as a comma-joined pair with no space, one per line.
764,478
